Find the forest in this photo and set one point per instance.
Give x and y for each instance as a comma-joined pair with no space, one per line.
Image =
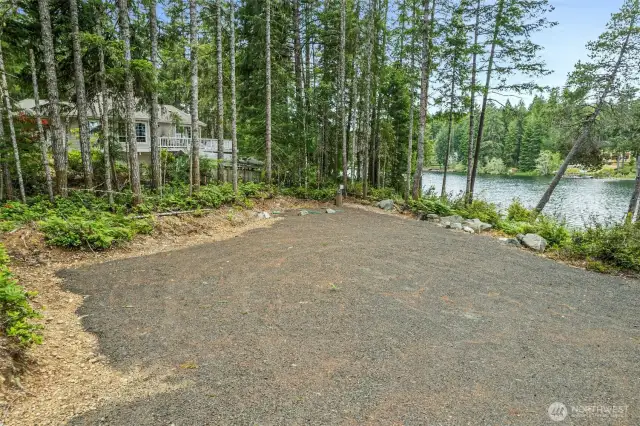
367,93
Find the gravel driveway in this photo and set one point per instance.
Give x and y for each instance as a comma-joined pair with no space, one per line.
364,318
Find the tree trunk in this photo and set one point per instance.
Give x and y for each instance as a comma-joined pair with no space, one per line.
424,89
300,85
367,104
635,197
134,167
472,104
341,90
443,191
41,135
234,114
268,92
81,101
156,170
104,119
589,122
220,98
57,132
195,128
485,98
12,130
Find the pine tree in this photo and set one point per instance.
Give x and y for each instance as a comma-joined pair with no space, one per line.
41,135
81,101
232,56
195,128
132,148
156,170
220,94
57,132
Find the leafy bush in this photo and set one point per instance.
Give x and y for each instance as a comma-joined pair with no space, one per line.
618,245
486,212
430,205
16,312
548,162
519,213
555,232
510,227
100,232
494,166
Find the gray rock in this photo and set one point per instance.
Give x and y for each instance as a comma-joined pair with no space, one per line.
433,217
511,242
385,204
456,226
331,211
534,242
468,229
476,224
264,215
303,213
452,219
446,224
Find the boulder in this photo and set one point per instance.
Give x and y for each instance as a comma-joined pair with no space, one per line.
303,213
331,211
456,226
468,229
476,224
446,224
431,217
452,219
264,215
534,242
511,241
385,204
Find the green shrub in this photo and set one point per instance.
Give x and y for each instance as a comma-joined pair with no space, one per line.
515,227
486,212
555,232
519,213
16,312
617,245
430,205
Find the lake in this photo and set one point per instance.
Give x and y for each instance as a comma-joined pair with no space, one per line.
576,200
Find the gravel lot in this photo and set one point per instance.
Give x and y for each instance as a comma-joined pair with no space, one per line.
358,317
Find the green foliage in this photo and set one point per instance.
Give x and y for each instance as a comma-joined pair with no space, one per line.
16,312
548,162
495,166
519,213
617,245
85,220
480,209
555,232
430,205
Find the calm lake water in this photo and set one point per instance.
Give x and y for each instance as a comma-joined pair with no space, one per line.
576,200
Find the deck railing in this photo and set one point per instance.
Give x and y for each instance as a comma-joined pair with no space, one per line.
183,144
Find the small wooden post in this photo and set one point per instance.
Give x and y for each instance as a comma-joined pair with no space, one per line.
339,196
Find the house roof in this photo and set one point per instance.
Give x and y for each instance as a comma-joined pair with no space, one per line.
168,113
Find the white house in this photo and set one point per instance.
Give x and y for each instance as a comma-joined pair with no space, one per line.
174,129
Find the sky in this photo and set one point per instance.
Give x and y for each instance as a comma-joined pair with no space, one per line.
579,21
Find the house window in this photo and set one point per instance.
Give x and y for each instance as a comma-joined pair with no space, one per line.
183,132
141,133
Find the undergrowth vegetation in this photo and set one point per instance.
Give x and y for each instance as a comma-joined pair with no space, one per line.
603,248
87,220
16,312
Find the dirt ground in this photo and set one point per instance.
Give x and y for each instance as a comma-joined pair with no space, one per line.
346,318
67,374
